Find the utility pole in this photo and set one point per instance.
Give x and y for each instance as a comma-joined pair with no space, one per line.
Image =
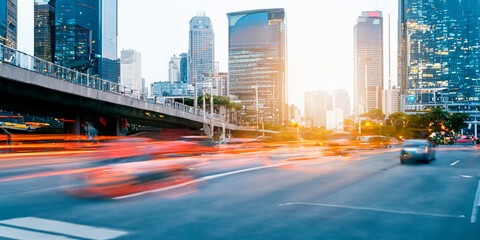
212,116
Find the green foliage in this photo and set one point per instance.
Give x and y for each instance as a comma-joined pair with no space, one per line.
397,119
374,114
457,121
314,133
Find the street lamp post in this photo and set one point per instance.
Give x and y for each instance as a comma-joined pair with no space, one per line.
256,104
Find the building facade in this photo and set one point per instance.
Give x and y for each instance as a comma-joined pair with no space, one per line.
217,83
174,69
183,67
201,51
391,101
368,56
44,29
342,101
317,103
257,56
439,50
86,36
168,89
8,23
131,72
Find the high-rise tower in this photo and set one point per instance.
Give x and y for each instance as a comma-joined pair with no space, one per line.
86,36
368,55
257,56
44,28
8,22
201,51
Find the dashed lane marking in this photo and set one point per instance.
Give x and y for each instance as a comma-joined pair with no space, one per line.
20,234
476,205
373,209
55,227
454,162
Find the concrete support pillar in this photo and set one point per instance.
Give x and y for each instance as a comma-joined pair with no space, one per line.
73,124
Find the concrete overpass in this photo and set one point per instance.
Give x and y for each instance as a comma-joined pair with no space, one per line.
32,85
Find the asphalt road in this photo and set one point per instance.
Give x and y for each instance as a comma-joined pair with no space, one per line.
288,193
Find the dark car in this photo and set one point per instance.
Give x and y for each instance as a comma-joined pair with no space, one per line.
416,150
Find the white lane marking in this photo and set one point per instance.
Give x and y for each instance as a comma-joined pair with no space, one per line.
373,209
201,180
65,228
466,176
476,205
455,163
20,234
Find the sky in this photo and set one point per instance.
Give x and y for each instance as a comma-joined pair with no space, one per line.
319,36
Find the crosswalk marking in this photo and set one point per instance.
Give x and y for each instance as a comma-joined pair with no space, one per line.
59,227
20,234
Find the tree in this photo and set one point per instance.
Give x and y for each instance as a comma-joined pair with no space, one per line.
456,122
397,119
374,115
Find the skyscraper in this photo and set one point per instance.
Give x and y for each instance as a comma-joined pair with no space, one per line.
342,101
439,55
317,103
256,55
86,36
201,51
368,55
44,28
131,72
183,67
174,69
8,22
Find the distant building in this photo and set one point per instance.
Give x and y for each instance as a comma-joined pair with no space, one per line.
391,101
317,104
168,89
368,55
183,67
257,56
131,72
86,36
342,101
218,83
44,29
8,23
335,120
201,51
174,69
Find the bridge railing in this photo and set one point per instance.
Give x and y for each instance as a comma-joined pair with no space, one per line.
20,59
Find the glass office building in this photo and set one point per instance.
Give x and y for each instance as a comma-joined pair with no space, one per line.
8,22
44,29
439,53
368,56
256,59
201,50
86,36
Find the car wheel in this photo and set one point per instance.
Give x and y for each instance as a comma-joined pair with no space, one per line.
402,161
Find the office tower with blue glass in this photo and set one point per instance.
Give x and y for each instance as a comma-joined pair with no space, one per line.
368,57
86,36
201,51
8,23
439,56
256,62
44,29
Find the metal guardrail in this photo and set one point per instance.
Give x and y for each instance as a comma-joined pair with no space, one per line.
20,59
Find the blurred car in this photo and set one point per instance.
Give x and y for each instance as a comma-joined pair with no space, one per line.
375,141
341,142
465,139
417,150
128,178
202,140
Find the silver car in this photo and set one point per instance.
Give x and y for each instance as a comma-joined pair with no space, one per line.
417,150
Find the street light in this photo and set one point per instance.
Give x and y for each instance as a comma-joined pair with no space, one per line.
256,103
